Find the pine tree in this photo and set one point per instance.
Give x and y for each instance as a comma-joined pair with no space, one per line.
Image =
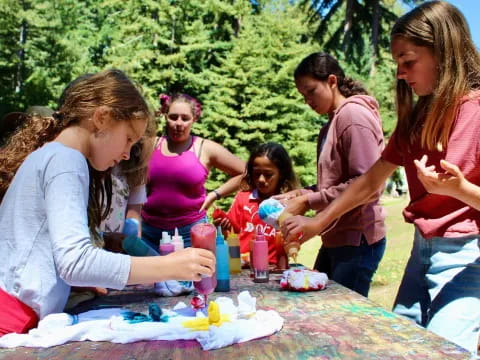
36,61
255,99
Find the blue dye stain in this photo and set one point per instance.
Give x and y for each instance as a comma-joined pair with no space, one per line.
135,317
154,315
377,311
155,312
327,352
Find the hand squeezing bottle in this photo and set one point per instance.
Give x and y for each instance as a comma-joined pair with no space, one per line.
273,213
203,236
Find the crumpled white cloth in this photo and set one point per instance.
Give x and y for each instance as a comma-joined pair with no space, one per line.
173,287
303,280
246,323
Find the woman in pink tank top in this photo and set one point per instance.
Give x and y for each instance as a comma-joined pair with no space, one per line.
178,170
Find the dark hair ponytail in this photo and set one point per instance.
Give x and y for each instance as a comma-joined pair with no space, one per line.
321,65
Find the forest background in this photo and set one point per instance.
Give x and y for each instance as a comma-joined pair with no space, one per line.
236,56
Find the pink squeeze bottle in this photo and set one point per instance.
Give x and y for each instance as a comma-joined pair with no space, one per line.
203,236
260,258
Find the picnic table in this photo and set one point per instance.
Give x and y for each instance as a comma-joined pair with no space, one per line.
335,323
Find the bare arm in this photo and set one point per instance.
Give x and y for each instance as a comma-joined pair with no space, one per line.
215,155
186,264
359,192
134,212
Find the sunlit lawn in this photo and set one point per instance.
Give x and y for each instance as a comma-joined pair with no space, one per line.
399,243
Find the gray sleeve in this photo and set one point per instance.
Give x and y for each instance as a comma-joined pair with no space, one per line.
77,261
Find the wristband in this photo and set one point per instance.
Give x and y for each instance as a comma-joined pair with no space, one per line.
217,194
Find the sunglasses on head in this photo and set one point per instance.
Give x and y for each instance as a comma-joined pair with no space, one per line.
174,117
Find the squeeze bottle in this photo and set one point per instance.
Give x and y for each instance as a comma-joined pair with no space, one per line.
292,247
130,227
260,258
234,252
282,259
222,265
203,236
166,247
177,241
135,246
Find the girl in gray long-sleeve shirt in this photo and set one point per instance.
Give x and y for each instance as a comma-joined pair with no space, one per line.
45,213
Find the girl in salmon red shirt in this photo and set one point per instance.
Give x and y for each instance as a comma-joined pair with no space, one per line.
269,172
437,60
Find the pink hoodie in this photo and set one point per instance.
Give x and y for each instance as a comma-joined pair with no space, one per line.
352,143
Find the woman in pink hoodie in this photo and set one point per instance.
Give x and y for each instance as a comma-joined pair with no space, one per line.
348,145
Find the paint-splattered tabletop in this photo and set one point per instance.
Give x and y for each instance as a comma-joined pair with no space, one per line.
334,323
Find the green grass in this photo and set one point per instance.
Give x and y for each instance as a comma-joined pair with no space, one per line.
399,243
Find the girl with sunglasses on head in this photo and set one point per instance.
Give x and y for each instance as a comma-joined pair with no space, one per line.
178,170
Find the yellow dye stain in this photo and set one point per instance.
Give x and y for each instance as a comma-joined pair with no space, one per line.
305,282
214,318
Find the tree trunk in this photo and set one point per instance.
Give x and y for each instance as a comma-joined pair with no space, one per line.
347,27
375,30
21,53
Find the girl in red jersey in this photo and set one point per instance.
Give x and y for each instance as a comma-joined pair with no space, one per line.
269,172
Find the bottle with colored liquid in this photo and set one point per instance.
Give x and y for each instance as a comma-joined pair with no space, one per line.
135,246
177,241
260,258
292,247
234,252
282,259
132,244
251,256
222,265
203,236
130,227
166,247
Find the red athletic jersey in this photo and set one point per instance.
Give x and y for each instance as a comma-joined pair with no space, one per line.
243,215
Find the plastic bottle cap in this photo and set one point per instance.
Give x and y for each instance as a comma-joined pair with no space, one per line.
176,237
166,239
293,251
219,239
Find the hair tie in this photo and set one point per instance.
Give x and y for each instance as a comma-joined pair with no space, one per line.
198,108
57,115
164,103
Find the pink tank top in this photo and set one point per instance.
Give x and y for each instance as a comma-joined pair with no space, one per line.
176,188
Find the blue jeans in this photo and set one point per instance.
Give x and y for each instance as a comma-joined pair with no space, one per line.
440,289
351,266
152,234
